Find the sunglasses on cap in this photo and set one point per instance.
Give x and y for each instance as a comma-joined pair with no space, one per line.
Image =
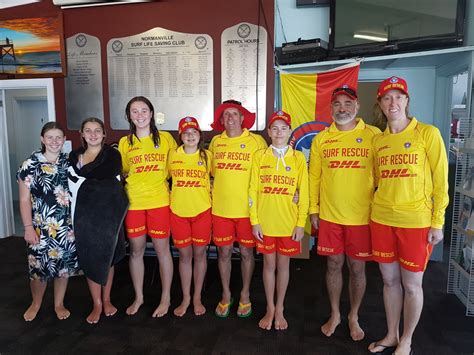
349,91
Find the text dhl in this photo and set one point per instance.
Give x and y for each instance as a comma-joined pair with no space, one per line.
345,164
229,166
395,173
232,156
275,190
183,183
147,158
148,168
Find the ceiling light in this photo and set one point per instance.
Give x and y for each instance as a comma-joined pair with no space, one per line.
375,38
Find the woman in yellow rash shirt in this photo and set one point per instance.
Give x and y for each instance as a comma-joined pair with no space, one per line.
144,161
407,212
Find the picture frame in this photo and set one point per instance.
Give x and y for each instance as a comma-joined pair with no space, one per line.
32,47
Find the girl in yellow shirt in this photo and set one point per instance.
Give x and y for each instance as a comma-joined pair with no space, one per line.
190,166
144,160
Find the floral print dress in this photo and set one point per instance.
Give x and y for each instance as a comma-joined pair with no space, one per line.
55,255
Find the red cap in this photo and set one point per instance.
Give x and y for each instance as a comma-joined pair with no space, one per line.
344,90
392,83
279,115
249,117
186,123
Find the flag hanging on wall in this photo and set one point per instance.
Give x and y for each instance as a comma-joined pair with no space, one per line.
307,98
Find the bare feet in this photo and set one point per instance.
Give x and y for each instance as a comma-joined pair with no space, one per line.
280,321
31,312
109,309
267,320
134,307
161,310
403,348
199,308
178,311
330,326
94,317
62,312
356,331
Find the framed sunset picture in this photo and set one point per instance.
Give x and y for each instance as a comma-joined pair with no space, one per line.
32,47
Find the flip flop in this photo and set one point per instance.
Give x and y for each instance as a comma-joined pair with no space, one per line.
225,308
243,306
386,349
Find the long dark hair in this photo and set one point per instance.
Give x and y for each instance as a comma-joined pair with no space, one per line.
202,151
87,120
48,127
133,129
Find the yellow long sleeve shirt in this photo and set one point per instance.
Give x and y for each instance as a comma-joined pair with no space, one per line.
145,167
190,192
231,168
412,174
272,187
341,174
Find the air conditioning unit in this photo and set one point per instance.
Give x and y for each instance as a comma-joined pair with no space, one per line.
67,4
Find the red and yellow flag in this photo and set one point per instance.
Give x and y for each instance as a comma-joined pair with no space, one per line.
307,98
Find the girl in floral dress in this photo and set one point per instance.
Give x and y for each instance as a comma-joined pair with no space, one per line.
45,212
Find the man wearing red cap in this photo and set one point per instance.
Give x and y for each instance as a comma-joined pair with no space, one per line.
341,186
233,151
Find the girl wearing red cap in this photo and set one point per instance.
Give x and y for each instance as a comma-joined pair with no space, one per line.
190,166
144,159
407,212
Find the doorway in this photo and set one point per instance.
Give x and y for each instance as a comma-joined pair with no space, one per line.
26,112
25,105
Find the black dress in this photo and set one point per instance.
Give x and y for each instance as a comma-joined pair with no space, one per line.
98,209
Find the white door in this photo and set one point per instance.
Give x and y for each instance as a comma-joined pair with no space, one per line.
25,105
24,122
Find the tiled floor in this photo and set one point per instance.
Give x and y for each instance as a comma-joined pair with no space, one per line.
443,328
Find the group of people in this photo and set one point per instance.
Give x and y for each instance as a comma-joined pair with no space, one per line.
372,195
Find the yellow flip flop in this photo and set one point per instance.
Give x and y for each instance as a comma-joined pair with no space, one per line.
223,309
242,307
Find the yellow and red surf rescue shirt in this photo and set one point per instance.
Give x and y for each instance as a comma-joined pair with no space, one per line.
341,174
190,192
271,192
145,168
412,174
231,168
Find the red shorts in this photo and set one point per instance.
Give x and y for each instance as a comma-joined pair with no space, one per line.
280,245
187,231
408,246
154,222
335,239
227,230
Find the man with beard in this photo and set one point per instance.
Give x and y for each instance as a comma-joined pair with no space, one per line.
341,186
